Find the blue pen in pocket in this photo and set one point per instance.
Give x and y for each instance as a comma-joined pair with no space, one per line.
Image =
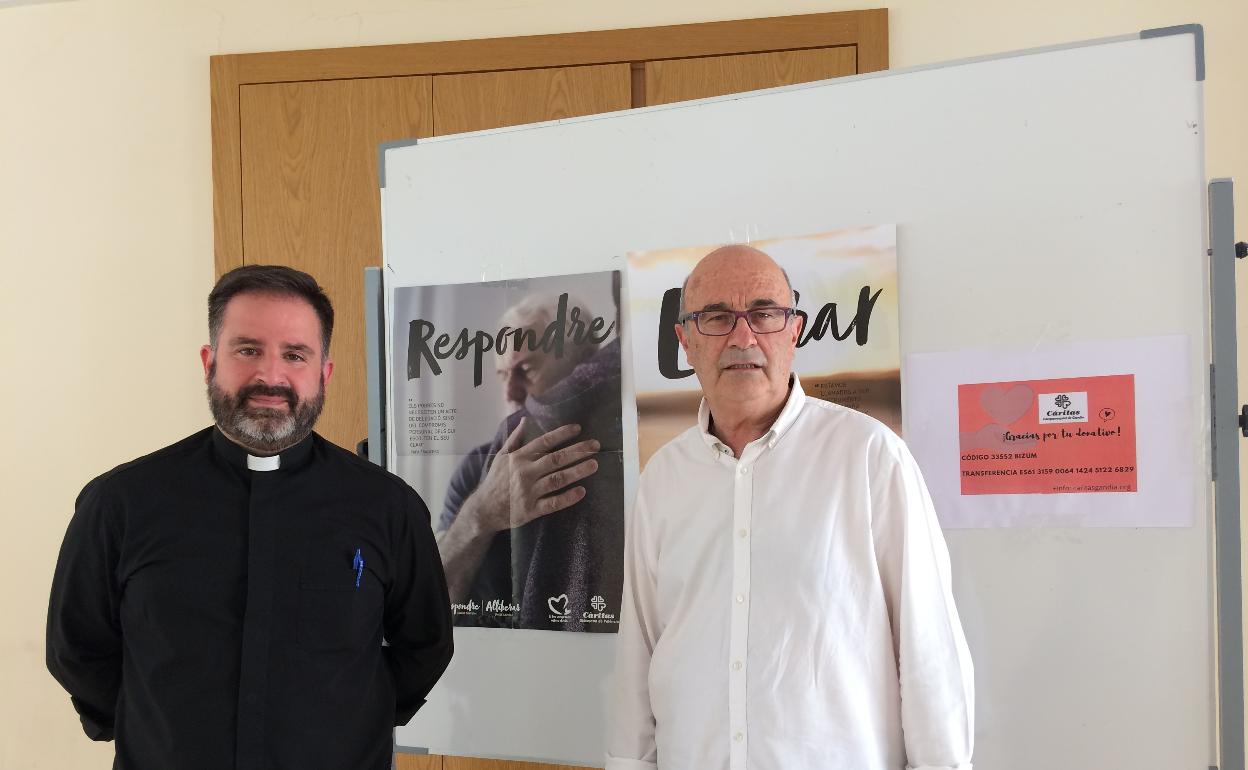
357,564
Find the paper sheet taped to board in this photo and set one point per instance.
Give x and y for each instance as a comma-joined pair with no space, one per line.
1090,434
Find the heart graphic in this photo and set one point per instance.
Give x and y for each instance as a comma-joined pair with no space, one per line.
558,604
1007,406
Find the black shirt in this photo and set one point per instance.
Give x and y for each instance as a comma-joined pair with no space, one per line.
210,616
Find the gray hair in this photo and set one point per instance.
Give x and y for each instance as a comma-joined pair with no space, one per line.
537,311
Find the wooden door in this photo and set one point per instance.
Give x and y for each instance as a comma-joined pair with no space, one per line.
295,138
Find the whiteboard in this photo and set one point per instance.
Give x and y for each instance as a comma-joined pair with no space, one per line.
1093,648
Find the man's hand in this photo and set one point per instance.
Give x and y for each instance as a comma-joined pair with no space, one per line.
524,481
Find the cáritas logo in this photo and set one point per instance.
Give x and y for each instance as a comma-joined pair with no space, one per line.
1062,407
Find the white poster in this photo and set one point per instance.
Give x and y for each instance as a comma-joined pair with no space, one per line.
1092,434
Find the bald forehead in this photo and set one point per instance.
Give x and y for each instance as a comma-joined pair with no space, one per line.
736,277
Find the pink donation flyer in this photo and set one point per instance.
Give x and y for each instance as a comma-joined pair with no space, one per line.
1072,435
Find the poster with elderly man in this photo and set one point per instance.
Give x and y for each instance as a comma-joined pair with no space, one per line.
845,292
509,417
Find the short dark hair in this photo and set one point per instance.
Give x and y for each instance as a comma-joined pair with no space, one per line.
269,279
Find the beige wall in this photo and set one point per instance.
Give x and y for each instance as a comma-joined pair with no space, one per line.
105,225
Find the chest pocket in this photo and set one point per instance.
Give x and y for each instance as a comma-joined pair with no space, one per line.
336,615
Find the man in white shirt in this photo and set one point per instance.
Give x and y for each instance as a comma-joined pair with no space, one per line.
787,601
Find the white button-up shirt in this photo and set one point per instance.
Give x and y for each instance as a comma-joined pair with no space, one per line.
789,609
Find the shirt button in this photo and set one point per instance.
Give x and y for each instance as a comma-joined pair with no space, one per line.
739,737
744,470
740,598
736,665
743,532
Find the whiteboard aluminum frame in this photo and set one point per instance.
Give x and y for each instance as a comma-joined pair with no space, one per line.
1224,403
374,355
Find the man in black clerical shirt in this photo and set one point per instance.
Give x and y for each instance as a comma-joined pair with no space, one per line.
222,602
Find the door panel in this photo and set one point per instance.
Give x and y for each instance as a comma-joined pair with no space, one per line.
481,100
310,200
675,80
418,762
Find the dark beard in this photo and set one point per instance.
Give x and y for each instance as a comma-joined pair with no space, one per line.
262,430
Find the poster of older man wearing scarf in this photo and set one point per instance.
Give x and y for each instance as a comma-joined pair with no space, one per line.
510,398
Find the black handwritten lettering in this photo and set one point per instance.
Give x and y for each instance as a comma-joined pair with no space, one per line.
669,346
477,343
418,334
825,320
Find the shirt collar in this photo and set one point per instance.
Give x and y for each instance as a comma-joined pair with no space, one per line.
268,463
288,459
788,415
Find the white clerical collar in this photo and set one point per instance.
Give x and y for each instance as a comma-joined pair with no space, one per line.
271,463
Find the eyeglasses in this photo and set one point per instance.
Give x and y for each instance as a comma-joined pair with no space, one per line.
762,320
